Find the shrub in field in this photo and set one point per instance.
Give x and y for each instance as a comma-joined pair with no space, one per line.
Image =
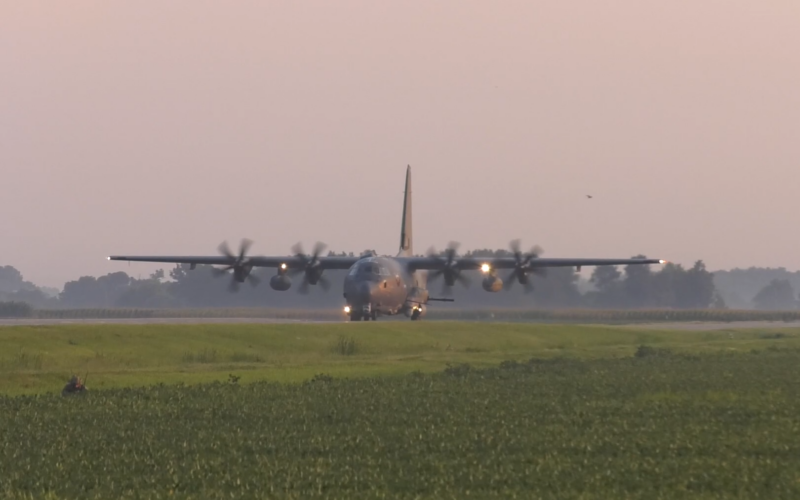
646,351
458,370
776,335
246,357
345,346
27,361
321,377
204,356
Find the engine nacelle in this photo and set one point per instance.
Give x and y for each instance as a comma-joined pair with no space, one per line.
280,282
492,284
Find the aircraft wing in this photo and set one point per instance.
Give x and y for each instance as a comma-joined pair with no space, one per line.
291,262
473,263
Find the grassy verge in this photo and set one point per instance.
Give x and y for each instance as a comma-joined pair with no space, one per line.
39,359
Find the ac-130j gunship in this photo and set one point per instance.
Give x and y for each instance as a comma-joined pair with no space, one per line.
376,285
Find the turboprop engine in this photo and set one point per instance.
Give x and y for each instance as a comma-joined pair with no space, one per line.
280,282
492,284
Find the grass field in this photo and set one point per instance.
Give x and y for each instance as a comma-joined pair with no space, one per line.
39,359
655,426
588,412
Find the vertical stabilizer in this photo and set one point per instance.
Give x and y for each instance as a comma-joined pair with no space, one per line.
406,248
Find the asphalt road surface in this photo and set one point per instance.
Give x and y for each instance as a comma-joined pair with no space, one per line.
148,321
687,325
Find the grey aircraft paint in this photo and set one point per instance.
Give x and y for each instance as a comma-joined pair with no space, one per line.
376,286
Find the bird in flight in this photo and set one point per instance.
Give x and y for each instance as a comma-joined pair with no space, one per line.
589,196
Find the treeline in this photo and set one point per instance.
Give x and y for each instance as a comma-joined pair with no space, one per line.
629,287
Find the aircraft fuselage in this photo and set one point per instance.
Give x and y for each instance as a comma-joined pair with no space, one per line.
383,286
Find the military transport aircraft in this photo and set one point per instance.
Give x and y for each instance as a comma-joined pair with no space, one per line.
385,285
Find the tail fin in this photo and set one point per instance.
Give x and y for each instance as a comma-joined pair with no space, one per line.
406,248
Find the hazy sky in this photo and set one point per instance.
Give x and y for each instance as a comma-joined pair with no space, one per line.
167,127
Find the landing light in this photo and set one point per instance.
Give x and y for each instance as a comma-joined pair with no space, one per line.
283,266
662,261
347,309
485,268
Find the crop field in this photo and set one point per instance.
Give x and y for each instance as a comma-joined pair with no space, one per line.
656,424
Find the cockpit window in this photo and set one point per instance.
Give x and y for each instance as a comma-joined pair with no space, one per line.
369,268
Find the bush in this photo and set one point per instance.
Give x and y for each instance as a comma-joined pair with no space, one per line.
15,310
459,370
646,351
204,356
321,377
345,346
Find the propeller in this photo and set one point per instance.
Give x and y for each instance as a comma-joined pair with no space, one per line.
449,269
522,267
310,267
240,265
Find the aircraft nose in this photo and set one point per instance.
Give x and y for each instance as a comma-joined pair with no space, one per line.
365,292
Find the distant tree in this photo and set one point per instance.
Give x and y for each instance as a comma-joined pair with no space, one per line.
718,302
609,294
10,279
779,295
667,285
696,289
88,291
738,287
605,277
559,288
637,286
147,294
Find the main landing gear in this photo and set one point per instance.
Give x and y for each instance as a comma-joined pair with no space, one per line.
365,317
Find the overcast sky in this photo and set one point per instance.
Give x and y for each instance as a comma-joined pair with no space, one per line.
167,127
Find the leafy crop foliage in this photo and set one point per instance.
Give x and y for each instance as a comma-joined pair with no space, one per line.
659,425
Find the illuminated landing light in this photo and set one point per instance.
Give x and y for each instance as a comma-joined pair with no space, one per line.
347,309
662,261
283,266
108,258
485,268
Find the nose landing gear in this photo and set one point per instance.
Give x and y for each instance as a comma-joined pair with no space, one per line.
366,313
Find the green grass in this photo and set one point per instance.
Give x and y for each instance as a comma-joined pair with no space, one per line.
39,359
658,426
